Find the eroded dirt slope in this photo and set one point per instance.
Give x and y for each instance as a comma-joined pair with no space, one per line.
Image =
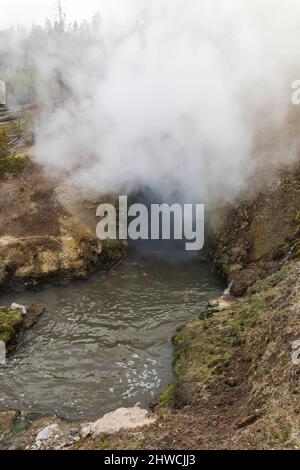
255,236
42,240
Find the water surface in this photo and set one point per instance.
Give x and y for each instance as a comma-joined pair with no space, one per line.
106,342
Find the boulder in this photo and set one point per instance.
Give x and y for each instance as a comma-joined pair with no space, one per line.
33,313
123,418
47,433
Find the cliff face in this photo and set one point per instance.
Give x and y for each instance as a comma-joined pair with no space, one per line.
254,237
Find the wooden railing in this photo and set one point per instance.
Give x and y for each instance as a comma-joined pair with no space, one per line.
8,114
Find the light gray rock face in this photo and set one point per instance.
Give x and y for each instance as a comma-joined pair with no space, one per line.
2,93
121,419
47,433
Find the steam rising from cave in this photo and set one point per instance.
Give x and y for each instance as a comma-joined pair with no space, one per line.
171,96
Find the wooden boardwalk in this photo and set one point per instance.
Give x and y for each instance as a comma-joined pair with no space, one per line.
8,114
11,120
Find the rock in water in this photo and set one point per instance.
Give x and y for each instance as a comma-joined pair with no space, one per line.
123,418
22,308
7,419
33,313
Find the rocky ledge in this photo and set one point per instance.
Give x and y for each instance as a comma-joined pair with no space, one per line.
13,322
48,232
254,237
21,431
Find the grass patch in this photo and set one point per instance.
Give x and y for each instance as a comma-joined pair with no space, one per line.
10,321
12,165
201,350
268,283
166,398
248,317
9,163
105,445
4,144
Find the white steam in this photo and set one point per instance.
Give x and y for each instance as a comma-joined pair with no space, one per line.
171,96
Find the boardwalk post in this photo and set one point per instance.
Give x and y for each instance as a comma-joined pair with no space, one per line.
2,93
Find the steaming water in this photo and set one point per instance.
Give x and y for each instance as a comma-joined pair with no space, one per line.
105,343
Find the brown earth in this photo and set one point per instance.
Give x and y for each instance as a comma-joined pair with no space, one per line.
255,236
43,238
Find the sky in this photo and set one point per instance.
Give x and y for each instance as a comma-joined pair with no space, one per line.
26,12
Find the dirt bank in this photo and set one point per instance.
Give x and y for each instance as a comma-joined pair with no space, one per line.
43,239
254,237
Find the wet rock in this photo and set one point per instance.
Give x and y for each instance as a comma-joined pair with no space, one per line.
20,425
216,306
13,322
211,308
7,419
33,313
121,419
213,303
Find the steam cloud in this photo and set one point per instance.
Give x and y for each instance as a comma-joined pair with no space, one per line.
171,95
